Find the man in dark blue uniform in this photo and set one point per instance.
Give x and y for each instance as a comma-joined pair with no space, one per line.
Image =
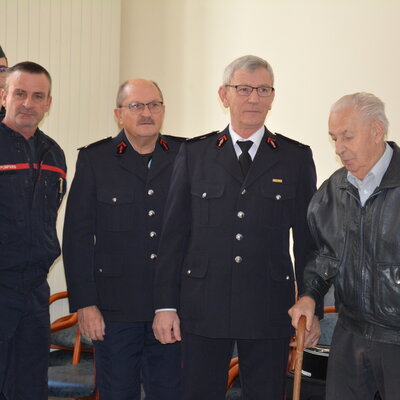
32,185
111,233
224,261
3,70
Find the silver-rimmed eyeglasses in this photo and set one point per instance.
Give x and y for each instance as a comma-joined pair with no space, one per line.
154,107
246,90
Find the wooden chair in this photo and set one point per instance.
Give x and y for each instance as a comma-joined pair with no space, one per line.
71,369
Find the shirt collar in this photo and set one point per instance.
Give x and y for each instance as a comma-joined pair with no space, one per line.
377,171
255,137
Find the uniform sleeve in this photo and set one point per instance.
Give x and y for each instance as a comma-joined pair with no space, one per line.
79,236
175,236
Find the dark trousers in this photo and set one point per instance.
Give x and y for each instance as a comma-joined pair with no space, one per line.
24,351
359,367
262,363
130,355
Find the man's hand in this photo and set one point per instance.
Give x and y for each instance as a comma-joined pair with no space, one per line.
306,306
91,323
166,327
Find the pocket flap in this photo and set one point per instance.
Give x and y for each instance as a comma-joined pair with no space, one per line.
207,190
115,197
279,191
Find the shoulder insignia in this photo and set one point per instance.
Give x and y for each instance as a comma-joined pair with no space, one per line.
121,147
272,142
107,139
295,142
174,138
202,137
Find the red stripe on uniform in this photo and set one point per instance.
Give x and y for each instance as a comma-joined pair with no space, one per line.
7,167
54,169
11,167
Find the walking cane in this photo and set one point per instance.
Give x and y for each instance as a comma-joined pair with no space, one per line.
299,357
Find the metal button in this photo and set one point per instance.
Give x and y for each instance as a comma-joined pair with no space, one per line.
100,269
153,234
238,259
325,274
278,196
189,271
287,277
150,192
204,195
239,236
243,192
153,256
114,199
151,213
240,214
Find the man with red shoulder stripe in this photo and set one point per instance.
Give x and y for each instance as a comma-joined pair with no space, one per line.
32,185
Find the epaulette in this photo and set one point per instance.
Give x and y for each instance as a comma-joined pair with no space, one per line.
107,139
202,137
175,138
295,142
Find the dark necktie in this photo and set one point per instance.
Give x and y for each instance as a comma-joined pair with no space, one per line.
245,158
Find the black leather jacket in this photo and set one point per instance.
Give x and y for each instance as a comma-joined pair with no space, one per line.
359,252
31,191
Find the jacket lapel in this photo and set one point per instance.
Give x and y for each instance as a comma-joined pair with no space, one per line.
162,157
226,156
268,154
128,160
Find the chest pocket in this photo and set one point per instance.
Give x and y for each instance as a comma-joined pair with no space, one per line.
116,210
207,203
278,199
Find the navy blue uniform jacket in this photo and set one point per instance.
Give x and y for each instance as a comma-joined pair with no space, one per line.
224,258
112,227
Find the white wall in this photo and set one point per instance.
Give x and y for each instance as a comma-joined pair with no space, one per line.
319,50
78,42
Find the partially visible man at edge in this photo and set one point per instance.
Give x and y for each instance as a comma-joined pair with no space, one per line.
3,70
112,227
224,267
355,221
32,185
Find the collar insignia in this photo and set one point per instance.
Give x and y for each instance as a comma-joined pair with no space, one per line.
163,144
121,147
221,141
272,142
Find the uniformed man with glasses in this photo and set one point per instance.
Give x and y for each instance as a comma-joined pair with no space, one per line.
224,273
3,70
111,234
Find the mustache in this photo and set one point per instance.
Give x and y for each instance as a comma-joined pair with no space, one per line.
25,110
145,120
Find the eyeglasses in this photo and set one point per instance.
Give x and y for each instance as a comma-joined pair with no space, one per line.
246,90
154,107
3,69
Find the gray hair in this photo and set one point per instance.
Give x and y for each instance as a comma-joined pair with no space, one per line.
121,90
369,106
248,63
